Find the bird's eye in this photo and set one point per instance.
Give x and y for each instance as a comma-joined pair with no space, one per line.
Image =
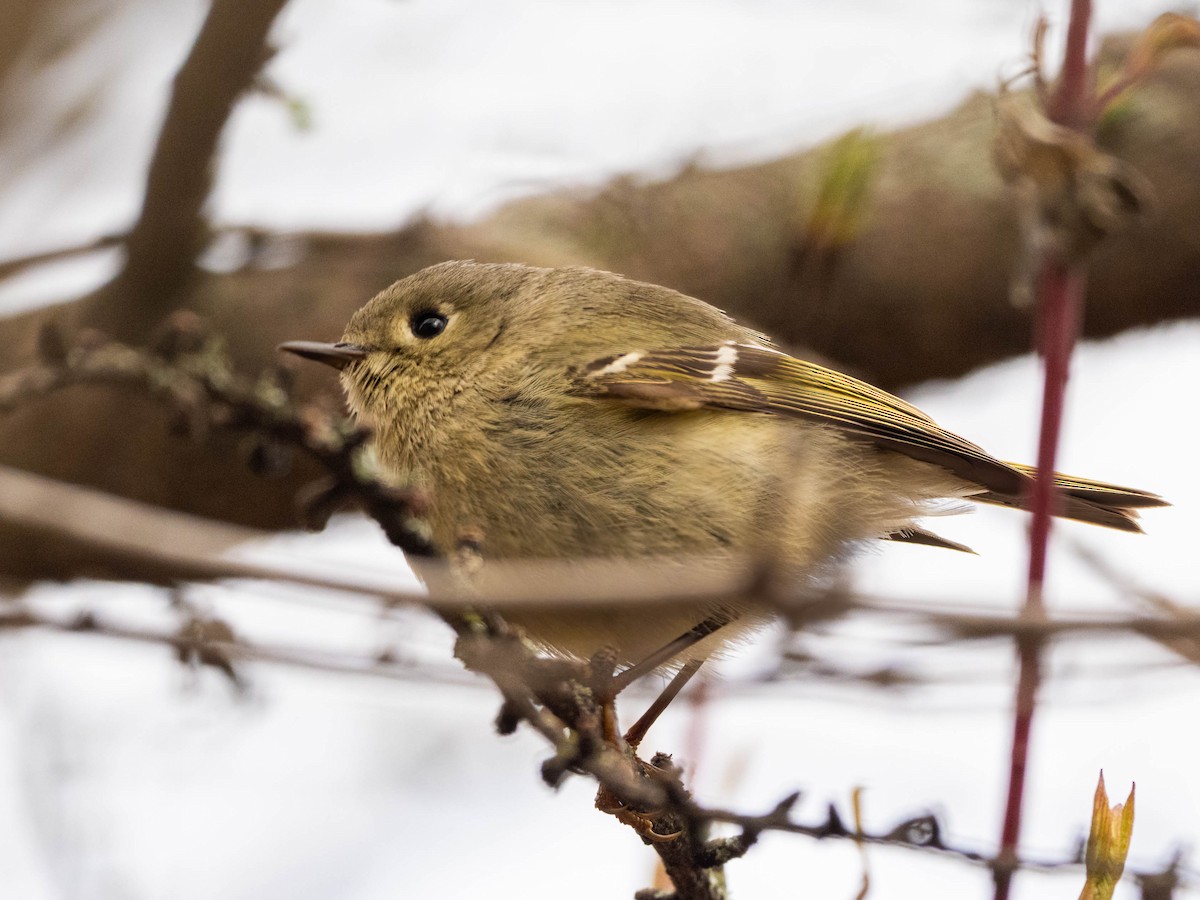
426,325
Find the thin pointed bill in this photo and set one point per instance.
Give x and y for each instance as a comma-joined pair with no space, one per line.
337,355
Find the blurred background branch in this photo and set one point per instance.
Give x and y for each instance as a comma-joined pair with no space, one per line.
170,231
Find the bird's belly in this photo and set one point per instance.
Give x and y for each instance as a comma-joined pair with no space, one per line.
727,485
623,484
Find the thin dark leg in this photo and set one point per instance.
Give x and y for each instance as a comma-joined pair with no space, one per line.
634,735
713,623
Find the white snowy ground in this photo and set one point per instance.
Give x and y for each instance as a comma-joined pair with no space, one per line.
118,778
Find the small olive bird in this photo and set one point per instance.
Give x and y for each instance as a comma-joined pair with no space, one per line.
573,413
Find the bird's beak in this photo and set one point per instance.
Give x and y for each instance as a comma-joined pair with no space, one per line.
337,355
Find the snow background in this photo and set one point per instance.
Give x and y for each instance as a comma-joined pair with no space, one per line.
122,778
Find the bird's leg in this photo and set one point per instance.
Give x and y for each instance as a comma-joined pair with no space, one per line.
668,652
606,686
664,654
643,820
606,694
633,737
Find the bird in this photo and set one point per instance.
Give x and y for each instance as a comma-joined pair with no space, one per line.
572,413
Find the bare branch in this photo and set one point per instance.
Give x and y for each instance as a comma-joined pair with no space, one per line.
133,540
11,267
190,372
228,53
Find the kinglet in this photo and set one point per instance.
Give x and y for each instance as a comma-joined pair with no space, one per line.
570,413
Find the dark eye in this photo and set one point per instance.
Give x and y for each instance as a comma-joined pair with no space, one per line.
427,324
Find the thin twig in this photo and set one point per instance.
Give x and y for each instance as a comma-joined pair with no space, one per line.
507,663
149,543
378,665
190,372
17,265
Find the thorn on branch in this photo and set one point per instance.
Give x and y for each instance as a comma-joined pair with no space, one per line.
833,826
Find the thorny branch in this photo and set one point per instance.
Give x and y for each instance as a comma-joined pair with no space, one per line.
211,647
188,370
150,543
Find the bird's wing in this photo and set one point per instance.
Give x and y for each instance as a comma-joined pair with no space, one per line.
757,379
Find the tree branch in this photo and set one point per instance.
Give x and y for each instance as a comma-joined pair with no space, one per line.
228,53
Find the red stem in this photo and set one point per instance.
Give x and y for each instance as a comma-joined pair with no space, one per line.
1060,302
1061,294
1071,103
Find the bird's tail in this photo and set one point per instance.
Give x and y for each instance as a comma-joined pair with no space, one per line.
1084,500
